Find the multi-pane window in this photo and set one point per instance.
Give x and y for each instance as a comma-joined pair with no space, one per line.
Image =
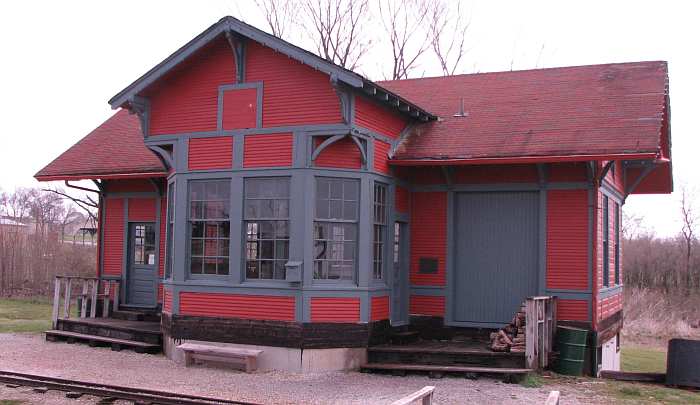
379,230
335,228
144,244
266,227
617,243
209,231
170,225
606,242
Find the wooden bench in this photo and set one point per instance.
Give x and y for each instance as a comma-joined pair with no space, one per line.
247,359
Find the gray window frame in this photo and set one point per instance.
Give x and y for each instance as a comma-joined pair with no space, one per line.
247,219
606,241
169,230
380,214
617,243
330,220
188,221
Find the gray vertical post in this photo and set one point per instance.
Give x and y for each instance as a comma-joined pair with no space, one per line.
236,256
364,243
179,252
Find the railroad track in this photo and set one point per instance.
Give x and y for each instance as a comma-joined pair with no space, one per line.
111,392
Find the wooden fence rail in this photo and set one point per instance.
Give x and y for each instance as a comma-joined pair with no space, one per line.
540,326
424,395
89,295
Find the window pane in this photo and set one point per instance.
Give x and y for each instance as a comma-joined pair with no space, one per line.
197,247
196,265
267,269
322,209
336,189
282,230
210,266
222,266
209,205
197,229
336,209
267,249
252,269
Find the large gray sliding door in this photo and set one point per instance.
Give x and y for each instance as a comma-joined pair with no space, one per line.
496,255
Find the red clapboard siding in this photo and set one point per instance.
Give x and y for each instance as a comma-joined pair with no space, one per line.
210,153
402,200
167,301
567,239
240,108
341,154
268,150
263,307
293,93
161,244
426,175
380,308
325,309
562,172
427,305
381,156
428,235
129,186
113,236
186,100
609,306
496,174
378,118
572,310
142,209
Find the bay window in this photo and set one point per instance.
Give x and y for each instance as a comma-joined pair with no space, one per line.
209,226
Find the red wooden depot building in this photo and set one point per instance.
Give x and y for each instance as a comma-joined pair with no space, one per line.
257,194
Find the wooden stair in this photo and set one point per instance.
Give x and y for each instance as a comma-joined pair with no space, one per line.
443,369
94,340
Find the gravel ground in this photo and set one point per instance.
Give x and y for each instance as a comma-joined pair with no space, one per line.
32,354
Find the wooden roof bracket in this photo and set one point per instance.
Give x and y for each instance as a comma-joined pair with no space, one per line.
448,173
140,106
344,97
335,138
165,157
605,170
237,43
648,167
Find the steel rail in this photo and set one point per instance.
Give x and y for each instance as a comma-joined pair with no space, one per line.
111,391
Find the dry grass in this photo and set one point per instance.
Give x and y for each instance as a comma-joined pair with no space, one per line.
654,317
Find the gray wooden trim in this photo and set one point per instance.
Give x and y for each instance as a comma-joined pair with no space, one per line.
311,130
125,254
433,291
132,194
610,191
450,291
101,210
499,187
609,291
158,246
238,151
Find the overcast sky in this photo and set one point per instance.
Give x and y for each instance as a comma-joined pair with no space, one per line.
61,62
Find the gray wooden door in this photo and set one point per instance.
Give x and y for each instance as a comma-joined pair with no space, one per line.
496,249
142,276
399,290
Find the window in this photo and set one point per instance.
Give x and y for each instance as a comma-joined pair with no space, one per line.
144,244
209,226
379,230
335,228
169,231
266,227
606,242
617,243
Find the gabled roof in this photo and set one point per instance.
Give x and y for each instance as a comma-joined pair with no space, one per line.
233,25
598,112
115,149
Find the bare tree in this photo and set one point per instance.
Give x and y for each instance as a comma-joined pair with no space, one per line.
85,203
448,32
404,22
689,219
280,15
338,29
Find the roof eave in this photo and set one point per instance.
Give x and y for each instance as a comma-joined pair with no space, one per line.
107,176
521,159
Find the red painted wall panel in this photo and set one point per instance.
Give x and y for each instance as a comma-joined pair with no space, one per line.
293,93
167,301
237,306
129,186
268,150
380,308
186,100
402,200
567,239
378,118
495,174
113,236
428,235
567,172
210,153
572,310
331,309
342,154
240,109
381,156
142,209
427,305
609,306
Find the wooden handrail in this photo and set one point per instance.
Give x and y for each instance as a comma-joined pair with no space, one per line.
63,291
425,395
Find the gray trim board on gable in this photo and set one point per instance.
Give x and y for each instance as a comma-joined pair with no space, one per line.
229,24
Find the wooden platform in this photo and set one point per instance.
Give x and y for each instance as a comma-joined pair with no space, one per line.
141,336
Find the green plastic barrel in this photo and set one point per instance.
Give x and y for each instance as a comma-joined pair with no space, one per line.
571,343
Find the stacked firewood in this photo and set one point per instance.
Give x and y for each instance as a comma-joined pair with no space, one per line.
511,338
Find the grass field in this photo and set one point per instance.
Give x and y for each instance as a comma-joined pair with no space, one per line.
30,315
643,359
